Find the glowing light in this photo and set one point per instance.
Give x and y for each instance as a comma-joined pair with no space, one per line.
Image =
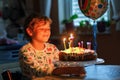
64,42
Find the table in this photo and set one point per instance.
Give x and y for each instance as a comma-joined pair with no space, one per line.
94,72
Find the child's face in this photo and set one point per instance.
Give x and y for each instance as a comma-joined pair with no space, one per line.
41,32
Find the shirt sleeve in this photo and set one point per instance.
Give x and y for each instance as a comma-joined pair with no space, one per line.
28,58
30,64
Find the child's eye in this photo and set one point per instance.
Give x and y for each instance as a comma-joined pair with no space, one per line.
43,29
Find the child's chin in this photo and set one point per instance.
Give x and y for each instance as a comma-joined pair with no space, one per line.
45,41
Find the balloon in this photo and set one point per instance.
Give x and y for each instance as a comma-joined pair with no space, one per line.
93,8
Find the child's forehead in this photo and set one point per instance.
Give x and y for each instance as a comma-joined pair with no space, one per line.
41,21
42,24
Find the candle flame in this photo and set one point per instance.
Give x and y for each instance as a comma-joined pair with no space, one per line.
71,36
64,39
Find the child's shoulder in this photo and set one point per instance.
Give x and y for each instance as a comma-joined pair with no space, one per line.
25,46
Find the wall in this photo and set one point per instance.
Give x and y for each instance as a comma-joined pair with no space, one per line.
109,46
54,17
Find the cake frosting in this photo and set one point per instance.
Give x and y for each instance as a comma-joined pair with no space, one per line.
77,50
77,54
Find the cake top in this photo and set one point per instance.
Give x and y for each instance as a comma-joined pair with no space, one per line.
77,50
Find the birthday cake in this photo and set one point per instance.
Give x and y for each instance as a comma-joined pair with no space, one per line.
77,54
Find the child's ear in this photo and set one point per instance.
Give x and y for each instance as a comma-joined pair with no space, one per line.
29,31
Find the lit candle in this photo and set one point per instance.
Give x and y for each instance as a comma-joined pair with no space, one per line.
64,42
71,36
71,40
82,44
79,44
88,45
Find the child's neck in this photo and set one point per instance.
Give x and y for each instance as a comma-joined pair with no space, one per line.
38,46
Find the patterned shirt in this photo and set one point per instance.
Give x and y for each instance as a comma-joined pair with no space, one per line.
37,62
